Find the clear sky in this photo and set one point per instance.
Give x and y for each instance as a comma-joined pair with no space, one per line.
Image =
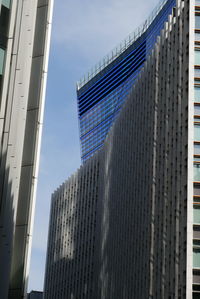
83,32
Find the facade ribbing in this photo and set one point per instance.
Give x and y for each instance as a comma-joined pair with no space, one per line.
72,236
144,253
24,46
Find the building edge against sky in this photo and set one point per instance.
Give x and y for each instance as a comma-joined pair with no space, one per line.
72,235
148,211
102,93
24,50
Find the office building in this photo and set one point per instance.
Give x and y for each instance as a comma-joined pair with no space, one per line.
35,295
147,239
24,46
103,91
72,236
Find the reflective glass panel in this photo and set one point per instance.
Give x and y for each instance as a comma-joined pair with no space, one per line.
197,22
197,57
196,214
196,257
197,36
197,190
197,110
196,243
2,53
197,149
6,3
196,172
197,94
197,132
197,73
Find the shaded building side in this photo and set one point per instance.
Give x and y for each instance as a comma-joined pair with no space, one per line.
72,234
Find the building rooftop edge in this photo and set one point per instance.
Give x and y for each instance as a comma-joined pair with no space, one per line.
125,44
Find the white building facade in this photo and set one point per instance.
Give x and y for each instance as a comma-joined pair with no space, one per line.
25,27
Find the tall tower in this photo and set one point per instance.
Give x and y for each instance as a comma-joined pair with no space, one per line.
24,48
147,220
102,92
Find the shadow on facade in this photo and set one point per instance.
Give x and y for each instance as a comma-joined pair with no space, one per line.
70,259
6,229
126,207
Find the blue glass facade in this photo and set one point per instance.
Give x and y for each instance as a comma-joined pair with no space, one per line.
101,98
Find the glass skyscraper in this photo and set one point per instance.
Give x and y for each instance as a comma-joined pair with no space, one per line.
127,223
102,92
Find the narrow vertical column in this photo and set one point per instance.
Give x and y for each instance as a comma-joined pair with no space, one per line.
189,6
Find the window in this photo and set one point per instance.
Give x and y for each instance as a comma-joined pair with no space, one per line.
196,214
195,295
197,94
197,37
2,54
196,257
197,110
4,26
197,72
6,3
196,172
197,21
197,56
196,243
197,190
197,132
197,2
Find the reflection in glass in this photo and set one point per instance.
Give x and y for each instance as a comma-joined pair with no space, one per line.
2,54
197,190
197,149
6,3
197,94
197,57
197,132
197,73
197,22
196,110
196,213
197,37
196,257
196,172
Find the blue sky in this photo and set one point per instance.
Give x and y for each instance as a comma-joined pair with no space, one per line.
83,32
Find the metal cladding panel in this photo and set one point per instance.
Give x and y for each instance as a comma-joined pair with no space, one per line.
100,99
21,110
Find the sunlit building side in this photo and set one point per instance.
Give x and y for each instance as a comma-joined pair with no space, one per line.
24,48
